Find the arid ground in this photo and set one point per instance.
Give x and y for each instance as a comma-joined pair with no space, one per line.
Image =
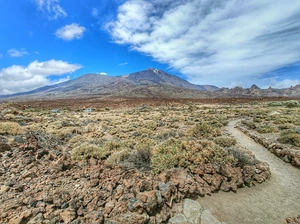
135,160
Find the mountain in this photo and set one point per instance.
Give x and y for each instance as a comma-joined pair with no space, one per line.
254,91
147,83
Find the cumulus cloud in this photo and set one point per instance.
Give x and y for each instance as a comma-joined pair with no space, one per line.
51,9
18,78
102,73
70,32
17,53
212,41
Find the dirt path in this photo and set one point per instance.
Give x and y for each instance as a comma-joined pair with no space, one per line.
268,203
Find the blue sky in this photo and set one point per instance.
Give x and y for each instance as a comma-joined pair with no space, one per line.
224,43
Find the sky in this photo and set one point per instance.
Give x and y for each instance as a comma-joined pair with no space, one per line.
224,43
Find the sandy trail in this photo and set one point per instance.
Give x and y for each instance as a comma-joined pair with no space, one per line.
271,202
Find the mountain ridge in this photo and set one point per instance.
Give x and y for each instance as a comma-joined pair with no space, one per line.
145,84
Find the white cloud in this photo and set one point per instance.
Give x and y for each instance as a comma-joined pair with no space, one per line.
70,32
102,73
51,8
17,53
122,64
212,41
95,13
282,84
19,78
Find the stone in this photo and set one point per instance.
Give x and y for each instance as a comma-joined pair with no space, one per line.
135,205
192,210
38,219
208,218
4,147
4,189
179,219
68,215
130,218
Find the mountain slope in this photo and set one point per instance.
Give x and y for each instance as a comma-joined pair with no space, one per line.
147,83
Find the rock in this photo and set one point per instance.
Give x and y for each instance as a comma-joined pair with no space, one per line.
179,219
68,215
4,189
225,186
149,200
130,218
192,210
4,147
109,207
38,219
94,183
27,173
208,218
135,205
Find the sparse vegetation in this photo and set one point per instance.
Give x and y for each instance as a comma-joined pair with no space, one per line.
10,128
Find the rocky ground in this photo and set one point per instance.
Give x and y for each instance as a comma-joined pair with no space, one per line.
39,185
42,182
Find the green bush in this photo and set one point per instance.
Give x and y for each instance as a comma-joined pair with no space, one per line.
224,141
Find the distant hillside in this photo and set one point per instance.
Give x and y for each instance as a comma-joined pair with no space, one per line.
147,83
150,83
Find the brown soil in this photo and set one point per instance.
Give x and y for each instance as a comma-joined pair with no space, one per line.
115,102
270,202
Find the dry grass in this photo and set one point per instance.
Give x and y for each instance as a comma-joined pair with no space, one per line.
10,128
155,137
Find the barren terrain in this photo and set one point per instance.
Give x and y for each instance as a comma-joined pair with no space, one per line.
130,160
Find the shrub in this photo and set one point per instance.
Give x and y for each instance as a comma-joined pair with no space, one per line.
275,103
267,129
249,124
242,157
292,103
140,159
203,129
86,150
177,153
11,128
224,141
291,137
115,158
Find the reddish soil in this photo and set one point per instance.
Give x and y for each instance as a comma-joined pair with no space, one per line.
115,103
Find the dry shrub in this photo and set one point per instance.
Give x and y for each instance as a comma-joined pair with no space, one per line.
76,139
205,130
242,157
115,158
249,124
177,153
140,159
225,141
11,128
291,137
267,129
88,150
